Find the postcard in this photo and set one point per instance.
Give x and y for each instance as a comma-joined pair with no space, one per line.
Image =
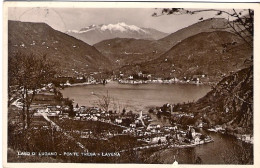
130,84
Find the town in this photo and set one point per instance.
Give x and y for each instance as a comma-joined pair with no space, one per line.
134,78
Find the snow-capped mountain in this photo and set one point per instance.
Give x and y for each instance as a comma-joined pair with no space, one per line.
96,33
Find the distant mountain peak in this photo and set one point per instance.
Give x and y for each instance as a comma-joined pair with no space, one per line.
95,33
87,28
120,26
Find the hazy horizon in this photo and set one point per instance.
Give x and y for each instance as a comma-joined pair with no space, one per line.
64,19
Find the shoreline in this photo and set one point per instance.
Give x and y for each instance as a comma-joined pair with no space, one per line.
136,82
168,146
84,83
141,83
237,136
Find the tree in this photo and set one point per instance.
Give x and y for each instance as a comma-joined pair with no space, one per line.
26,74
240,22
123,112
103,101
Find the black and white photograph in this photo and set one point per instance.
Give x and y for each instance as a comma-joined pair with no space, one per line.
120,85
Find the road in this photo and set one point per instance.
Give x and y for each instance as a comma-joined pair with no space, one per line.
58,128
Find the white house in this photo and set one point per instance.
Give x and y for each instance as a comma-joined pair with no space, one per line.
118,120
94,118
151,126
156,139
147,133
197,139
133,125
43,110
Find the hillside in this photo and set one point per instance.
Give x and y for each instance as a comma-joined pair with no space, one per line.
232,100
229,103
125,51
74,57
208,25
128,51
96,33
211,54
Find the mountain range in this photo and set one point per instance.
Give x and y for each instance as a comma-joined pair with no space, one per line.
212,54
96,33
125,51
205,48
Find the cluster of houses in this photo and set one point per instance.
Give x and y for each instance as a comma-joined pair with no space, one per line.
53,111
248,138
217,128
69,81
136,125
141,78
138,78
128,119
154,134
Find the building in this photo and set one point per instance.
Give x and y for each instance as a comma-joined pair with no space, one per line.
197,139
158,139
133,125
153,126
118,120
85,133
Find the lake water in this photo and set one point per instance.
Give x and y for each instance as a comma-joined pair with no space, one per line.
136,97
225,149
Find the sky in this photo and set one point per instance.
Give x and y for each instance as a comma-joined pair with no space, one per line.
64,19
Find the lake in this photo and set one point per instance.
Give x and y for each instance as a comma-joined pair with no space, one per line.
136,97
